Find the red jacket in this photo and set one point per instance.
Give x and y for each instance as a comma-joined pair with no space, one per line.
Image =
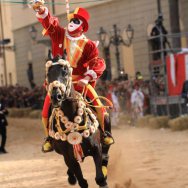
87,64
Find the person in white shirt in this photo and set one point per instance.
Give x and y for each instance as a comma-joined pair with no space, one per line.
137,100
116,109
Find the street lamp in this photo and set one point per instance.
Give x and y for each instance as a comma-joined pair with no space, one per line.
130,34
33,34
159,6
102,36
107,75
116,39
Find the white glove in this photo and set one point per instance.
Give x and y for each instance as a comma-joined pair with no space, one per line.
36,4
84,81
37,1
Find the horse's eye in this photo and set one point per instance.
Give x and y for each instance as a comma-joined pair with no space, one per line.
64,68
64,71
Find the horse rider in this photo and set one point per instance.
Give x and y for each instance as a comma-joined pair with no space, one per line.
82,54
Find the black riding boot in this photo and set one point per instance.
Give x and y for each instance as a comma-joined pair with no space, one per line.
108,139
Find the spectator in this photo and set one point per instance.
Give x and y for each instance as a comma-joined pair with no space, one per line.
111,95
139,79
3,124
30,75
138,75
158,30
137,100
146,92
184,95
21,97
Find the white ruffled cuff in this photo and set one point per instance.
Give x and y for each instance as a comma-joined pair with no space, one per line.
92,74
42,16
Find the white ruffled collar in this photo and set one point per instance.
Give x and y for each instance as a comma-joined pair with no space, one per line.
74,38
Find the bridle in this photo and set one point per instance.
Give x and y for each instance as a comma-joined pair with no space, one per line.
63,88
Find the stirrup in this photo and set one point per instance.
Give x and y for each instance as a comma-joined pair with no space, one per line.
108,139
104,171
47,147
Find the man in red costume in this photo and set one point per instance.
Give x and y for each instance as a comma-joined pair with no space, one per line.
82,55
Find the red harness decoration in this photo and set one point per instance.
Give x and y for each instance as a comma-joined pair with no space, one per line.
78,152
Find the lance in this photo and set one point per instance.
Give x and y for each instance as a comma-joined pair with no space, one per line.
67,8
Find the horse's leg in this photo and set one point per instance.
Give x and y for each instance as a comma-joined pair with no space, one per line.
100,178
71,177
74,166
105,157
105,148
107,123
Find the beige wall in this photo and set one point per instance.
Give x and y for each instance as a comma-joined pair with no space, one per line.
128,59
10,56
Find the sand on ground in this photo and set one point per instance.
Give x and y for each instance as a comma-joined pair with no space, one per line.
140,158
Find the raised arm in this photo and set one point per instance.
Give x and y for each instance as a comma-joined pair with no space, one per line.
50,24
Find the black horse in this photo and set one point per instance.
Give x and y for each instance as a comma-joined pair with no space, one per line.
73,127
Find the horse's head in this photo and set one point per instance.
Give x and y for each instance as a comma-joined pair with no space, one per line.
58,75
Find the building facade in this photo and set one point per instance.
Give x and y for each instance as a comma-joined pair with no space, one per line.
7,60
184,20
140,14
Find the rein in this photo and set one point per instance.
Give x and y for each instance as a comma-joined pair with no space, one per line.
89,103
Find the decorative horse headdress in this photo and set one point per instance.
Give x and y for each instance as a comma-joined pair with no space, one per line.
64,87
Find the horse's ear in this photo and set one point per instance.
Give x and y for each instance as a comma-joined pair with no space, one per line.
57,58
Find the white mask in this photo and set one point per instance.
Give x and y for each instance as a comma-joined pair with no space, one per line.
72,26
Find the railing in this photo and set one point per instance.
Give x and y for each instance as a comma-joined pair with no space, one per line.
167,44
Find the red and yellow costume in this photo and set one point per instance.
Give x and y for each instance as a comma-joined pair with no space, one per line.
82,54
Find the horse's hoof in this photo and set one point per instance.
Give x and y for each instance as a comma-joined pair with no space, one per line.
72,180
83,183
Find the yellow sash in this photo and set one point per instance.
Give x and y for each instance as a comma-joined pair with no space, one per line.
75,57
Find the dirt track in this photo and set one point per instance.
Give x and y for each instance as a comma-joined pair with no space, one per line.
141,158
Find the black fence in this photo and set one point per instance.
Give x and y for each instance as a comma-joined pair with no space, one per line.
160,47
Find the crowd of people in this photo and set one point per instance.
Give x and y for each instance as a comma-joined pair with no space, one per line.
124,93
119,91
22,97
122,90
128,96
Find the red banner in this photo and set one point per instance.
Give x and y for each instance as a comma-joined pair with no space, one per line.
177,72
